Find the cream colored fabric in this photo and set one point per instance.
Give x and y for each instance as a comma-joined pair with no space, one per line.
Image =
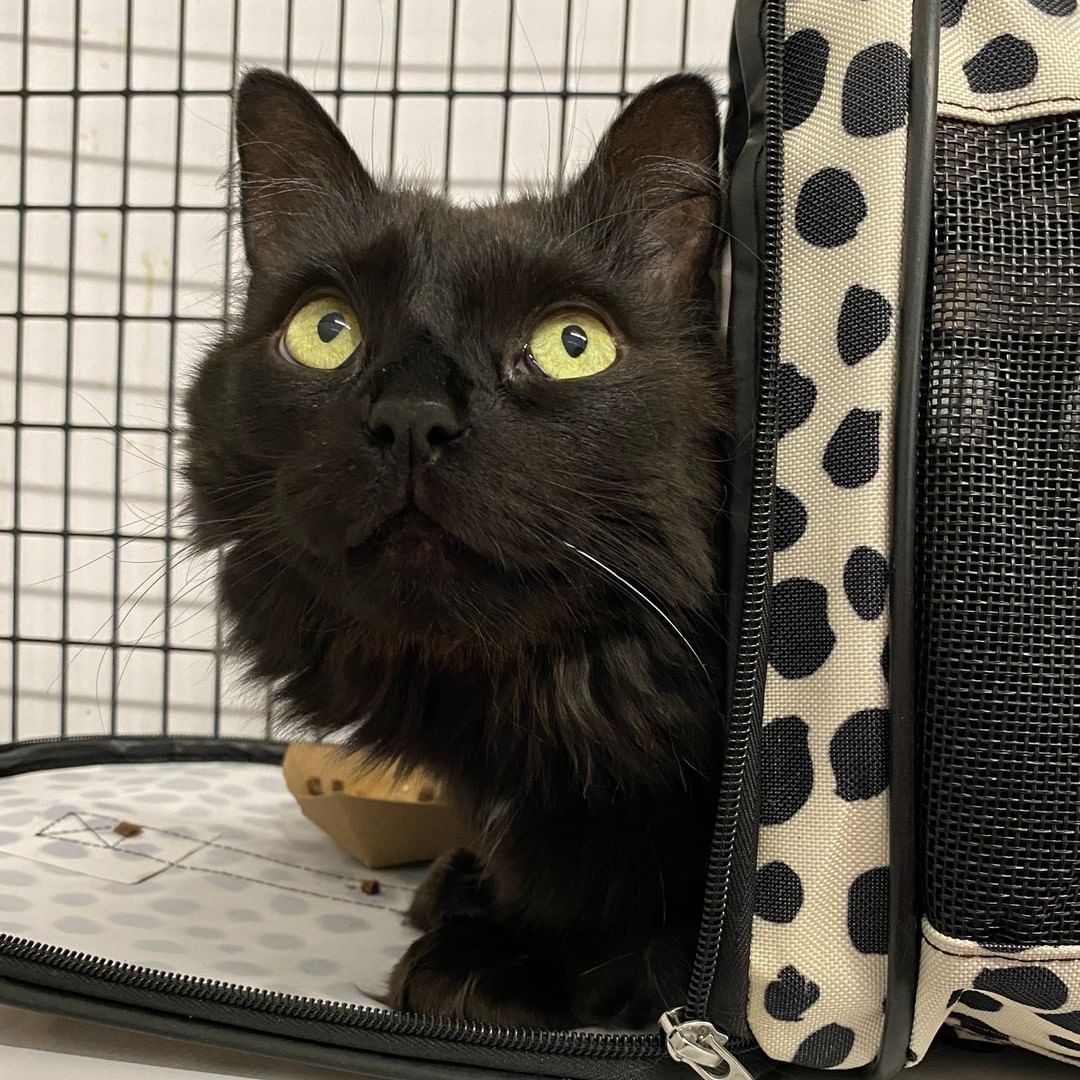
818,965
831,841
950,966
1054,39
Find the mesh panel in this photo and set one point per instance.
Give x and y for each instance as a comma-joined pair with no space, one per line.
1000,536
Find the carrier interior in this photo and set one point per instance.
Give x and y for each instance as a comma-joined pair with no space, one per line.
226,881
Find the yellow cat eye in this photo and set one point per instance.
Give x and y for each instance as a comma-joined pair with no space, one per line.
323,334
571,345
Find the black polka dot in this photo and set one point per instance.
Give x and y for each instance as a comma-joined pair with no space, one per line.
874,100
778,893
868,911
827,1048
1036,987
787,773
974,999
866,582
789,995
796,394
1069,1044
859,753
1060,8
1005,63
864,323
885,660
954,997
851,457
789,520
951,10
801,638
978,1027
806,55
1070,1021
830,208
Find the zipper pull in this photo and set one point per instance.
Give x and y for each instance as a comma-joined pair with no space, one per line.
701,1046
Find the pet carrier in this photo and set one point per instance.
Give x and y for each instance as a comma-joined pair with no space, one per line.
905,328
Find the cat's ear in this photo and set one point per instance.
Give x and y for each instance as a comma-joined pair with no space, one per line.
293,159
660,155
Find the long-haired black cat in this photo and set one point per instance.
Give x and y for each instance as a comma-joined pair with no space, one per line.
462,464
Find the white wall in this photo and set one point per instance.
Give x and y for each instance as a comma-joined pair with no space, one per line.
102,311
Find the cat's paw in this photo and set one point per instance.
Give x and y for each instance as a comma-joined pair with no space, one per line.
475,969
455,887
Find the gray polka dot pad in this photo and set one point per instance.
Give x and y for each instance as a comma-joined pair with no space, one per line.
226,880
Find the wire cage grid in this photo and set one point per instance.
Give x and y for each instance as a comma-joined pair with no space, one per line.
121,261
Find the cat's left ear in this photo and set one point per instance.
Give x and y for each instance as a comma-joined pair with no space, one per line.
661,157
293,160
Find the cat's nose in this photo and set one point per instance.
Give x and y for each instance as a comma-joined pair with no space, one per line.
414,429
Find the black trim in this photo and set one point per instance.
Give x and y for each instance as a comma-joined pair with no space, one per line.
721,971
283,1043
904,840
71,752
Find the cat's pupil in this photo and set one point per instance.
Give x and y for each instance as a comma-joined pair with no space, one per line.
574,339
330,325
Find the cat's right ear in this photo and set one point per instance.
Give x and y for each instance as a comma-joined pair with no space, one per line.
293,159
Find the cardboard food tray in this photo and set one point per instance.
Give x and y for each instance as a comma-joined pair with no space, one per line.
372,816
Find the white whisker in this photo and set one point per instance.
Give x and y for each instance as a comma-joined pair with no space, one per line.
641,596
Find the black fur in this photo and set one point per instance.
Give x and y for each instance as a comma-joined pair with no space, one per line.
449,611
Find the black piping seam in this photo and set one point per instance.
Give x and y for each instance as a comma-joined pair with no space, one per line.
993,958
1068,99
72,752
904,845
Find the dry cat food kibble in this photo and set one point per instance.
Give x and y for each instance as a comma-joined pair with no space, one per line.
314,786
127,829
370,887
338,785
427,794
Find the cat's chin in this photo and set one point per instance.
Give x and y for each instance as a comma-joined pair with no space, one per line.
412,564
413,580
410,543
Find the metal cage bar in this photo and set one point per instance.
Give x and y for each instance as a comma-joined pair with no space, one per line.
124,258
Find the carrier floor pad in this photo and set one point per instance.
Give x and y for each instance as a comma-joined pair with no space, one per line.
226,880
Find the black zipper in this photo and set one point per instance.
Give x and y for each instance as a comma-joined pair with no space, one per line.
295,1007
724,942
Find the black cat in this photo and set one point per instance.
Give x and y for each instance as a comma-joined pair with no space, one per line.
462,463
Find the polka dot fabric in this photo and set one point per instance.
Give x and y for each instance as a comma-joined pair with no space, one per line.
1003,60
820,927
818,955
1029,997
